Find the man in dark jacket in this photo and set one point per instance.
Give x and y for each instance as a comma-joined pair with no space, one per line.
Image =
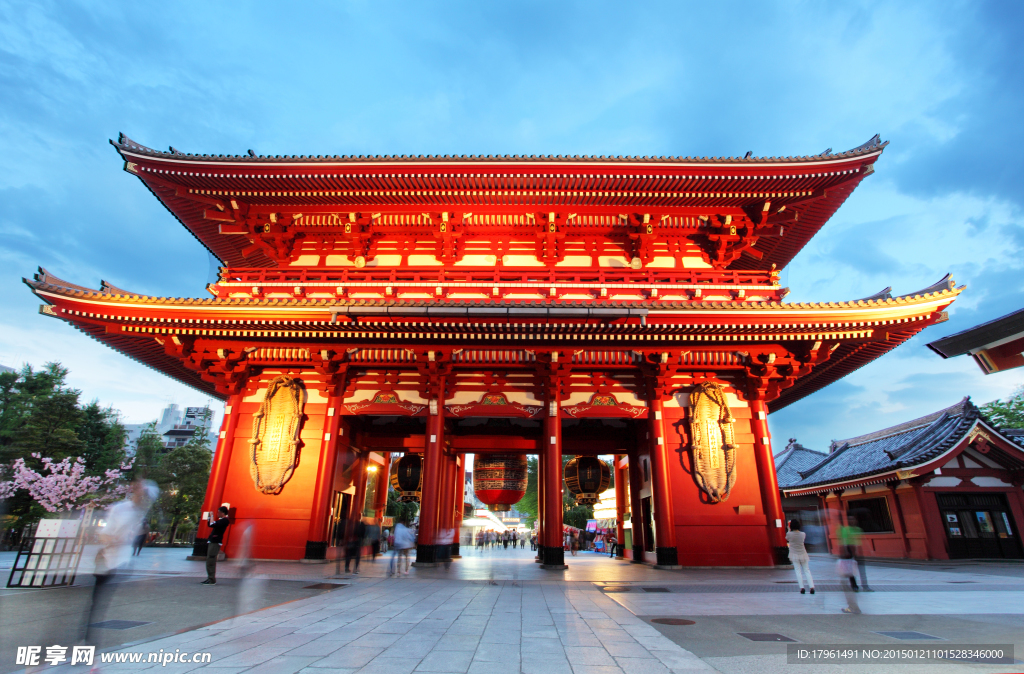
354,545
213,543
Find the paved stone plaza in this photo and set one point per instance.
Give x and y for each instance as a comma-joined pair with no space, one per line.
496,611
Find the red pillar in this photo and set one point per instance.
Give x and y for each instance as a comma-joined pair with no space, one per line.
219,470
552,554
380,497
359,480
636,483
900,522
319,515
540,505
771,500
664,517
446,506
426,550
460,503
620,504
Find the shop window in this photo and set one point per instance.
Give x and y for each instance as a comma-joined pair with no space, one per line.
872,515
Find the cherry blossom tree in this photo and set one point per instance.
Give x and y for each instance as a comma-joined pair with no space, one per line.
64,485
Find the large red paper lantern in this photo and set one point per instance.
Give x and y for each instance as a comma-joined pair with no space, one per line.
407,477
500,480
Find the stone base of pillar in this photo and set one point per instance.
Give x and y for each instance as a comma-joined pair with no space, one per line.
667,558
638,556
426,555
781,554
199,547
316,550
552,557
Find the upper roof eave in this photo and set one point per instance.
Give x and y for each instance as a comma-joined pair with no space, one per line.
127,147
980,336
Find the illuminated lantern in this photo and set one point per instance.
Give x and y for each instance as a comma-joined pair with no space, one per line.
586,477
500,480
407,477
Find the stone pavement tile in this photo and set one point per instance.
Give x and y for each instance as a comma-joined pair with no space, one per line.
540,631
393,627
622,649
639,665
409,649
348,656
251,657
658,643
641,630
484,667
446,661
586,655
500,636
614,635
313,669
285,664
376,640
457,642
596,669
390,666
321,647
538,645
579,640
602,624
292,640
681,659
546,663
497,652
219,670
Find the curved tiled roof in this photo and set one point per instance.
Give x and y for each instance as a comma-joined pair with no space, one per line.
126,144
908,444
794,459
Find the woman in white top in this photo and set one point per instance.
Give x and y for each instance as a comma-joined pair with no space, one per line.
798,555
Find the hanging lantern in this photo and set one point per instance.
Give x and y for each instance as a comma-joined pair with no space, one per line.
586,477
500,480
407,477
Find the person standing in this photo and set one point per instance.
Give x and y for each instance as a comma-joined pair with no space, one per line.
849,541
213,543
798,555
141,538
404,542
612,544
354,545
115,551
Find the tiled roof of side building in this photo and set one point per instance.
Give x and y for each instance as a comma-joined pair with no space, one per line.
126,144
793,459
1001,328
893,448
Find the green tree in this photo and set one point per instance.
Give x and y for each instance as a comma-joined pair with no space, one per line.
103,435
40,414
1008,412
402,512
183,475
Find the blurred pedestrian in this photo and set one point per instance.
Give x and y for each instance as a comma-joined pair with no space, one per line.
354,545
373,533
404,541
116,539
141,538
213,543
798,555
613,543
850,538
846,569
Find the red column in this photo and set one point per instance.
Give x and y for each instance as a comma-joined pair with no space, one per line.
380,497
664,517
446,502
221,462
770,499
359,480
460,503
429,503
900,522
552,554
319,515
620,504
540,506
636,483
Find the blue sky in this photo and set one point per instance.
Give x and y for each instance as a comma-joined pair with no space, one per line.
941,81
